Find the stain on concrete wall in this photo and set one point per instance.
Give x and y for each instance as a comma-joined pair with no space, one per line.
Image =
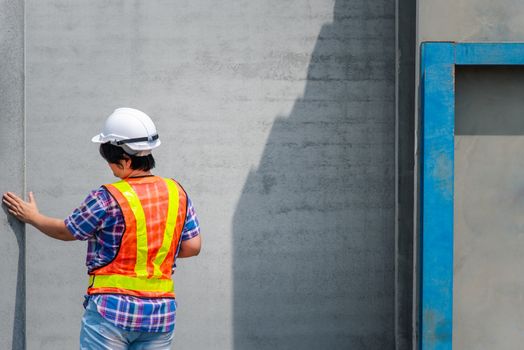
313,232
470,20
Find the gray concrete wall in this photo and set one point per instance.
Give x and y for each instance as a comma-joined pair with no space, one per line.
12,176
488,276
313,232
279,120
470,20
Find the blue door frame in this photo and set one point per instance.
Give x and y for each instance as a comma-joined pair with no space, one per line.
437,85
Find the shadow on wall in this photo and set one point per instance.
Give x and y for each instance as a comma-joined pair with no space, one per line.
19,316
313,237
18,337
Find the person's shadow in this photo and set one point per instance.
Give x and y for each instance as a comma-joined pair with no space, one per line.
313,239
19,314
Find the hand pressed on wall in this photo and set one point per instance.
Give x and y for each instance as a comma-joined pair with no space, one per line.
25,211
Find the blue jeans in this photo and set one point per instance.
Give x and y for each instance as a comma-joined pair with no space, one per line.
99,334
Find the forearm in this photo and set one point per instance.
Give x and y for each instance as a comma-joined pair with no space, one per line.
28,212
52,227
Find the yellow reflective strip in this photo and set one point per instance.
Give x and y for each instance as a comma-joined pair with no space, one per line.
142,284
172,214
141,230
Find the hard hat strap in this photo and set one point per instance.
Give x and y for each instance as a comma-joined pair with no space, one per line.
139,139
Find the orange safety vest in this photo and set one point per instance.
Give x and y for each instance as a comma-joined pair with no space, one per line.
154,211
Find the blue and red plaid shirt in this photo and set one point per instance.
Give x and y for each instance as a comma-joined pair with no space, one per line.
99,220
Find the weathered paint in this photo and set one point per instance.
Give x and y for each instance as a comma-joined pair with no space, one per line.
489,54
437,200
437,64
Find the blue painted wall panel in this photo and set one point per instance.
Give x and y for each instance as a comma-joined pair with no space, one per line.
437,200
489,54
438,60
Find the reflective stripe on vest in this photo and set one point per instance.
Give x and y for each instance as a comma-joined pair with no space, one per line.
172,211
132,283
141,232
142,282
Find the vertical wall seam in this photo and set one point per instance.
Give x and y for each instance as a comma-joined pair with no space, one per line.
396,224
404,160
416,188
24,173
24,121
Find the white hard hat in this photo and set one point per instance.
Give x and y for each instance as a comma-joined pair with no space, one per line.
130,129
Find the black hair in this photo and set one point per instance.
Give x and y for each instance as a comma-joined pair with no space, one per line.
114,154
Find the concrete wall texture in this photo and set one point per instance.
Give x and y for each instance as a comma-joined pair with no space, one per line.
470,20
488,278
278,117
12,233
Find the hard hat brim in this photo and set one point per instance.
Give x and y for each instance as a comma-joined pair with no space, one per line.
98,139
144,146
140,146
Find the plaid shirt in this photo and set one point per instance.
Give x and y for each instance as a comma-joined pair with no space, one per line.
99,220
